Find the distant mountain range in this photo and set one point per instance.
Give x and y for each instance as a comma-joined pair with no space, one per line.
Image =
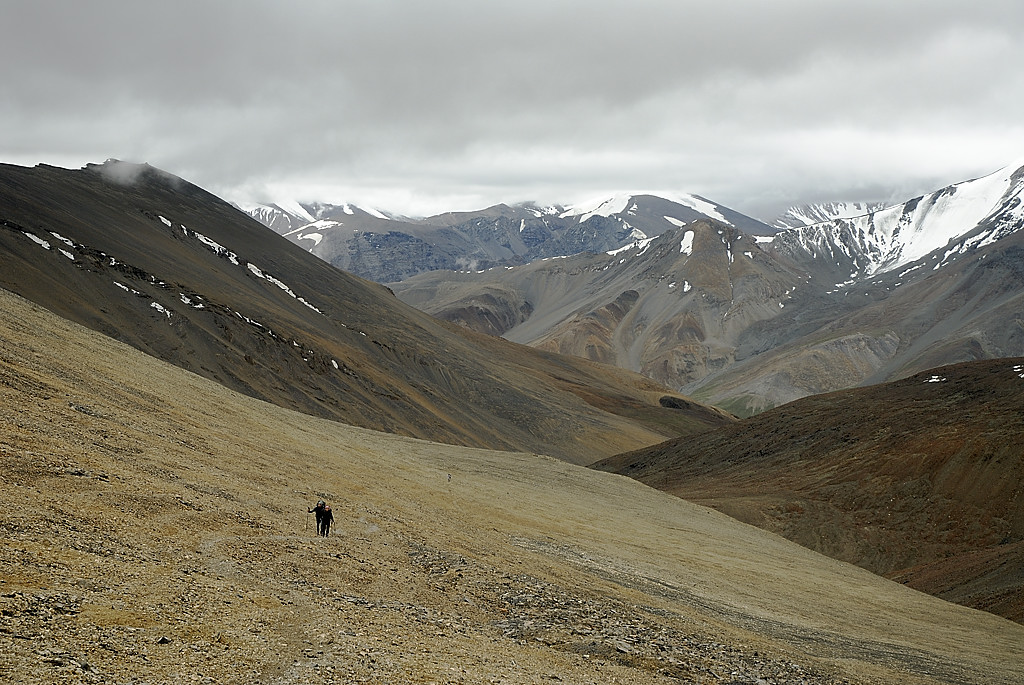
750,317
388,248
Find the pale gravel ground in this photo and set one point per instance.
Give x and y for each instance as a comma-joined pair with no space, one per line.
154,531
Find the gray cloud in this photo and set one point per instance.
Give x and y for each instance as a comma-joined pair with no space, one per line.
418,107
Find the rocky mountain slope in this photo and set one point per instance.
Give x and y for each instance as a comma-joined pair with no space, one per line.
154,530
158,263
388,248
748,321
921,480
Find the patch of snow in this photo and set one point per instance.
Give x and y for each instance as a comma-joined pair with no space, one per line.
687,287
686,244
37,240
674,221
127,289
219,249
315,237
259,273
66,253
701,205
606,207
936,379
295,209
185,299
252,322
303,301
375,213
319,225
166,221
160,308
642,244
61,238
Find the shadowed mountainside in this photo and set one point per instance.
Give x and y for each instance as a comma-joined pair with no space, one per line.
154,529
920,480
158,263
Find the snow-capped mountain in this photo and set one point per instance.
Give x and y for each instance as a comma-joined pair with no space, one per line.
388,248
677,209
808,215
287,216
952,220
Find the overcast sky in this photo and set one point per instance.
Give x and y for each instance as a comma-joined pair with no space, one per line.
423,106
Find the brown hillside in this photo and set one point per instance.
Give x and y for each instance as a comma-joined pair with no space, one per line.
164,266
921,480
153,529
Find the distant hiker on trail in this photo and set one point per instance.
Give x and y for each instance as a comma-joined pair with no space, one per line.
324,518
327,520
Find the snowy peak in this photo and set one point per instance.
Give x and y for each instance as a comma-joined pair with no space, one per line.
630,204
890,238
810,214
287,216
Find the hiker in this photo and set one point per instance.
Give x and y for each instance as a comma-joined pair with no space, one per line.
328,519
321,510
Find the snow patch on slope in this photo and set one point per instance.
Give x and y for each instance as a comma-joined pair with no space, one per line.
295,209
613,205
686,244
701,205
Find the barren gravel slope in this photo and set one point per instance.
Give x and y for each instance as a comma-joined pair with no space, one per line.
154,530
